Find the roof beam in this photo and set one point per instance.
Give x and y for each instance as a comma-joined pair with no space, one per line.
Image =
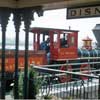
47,4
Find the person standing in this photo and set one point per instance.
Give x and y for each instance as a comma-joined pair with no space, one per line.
45,45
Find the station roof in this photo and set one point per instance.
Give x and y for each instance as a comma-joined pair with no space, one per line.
45,31
47,4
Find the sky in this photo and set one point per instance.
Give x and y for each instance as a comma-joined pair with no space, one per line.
55,19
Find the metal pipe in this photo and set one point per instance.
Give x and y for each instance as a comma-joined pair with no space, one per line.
87,58
60,71
74,69
81,58
50,75
99,89
59,65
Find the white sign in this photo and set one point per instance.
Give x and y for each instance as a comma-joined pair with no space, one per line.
83,12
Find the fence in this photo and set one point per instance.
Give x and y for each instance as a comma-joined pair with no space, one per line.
50,84
74,89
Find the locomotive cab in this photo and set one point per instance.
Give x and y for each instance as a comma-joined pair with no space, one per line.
63,43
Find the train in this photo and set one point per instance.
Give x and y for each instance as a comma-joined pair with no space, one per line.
63,47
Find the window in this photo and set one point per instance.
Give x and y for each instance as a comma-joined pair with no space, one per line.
72,40
63,40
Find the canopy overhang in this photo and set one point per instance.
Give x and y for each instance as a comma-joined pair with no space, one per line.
47,4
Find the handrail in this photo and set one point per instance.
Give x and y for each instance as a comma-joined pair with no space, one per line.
59,65
65,73
81,58
53,71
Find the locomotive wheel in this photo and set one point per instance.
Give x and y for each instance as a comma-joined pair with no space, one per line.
86,68
65,78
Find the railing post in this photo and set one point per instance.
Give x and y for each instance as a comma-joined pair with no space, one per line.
4,17
99,88
27,18
27,22
17,23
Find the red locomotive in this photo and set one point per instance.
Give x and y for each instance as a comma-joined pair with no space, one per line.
63,46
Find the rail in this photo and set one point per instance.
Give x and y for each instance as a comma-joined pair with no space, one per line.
75,89
59,65
53,71
75,74
81,58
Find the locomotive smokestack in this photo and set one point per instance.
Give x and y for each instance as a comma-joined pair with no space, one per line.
96,32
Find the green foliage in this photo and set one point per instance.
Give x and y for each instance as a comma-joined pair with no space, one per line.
33,84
